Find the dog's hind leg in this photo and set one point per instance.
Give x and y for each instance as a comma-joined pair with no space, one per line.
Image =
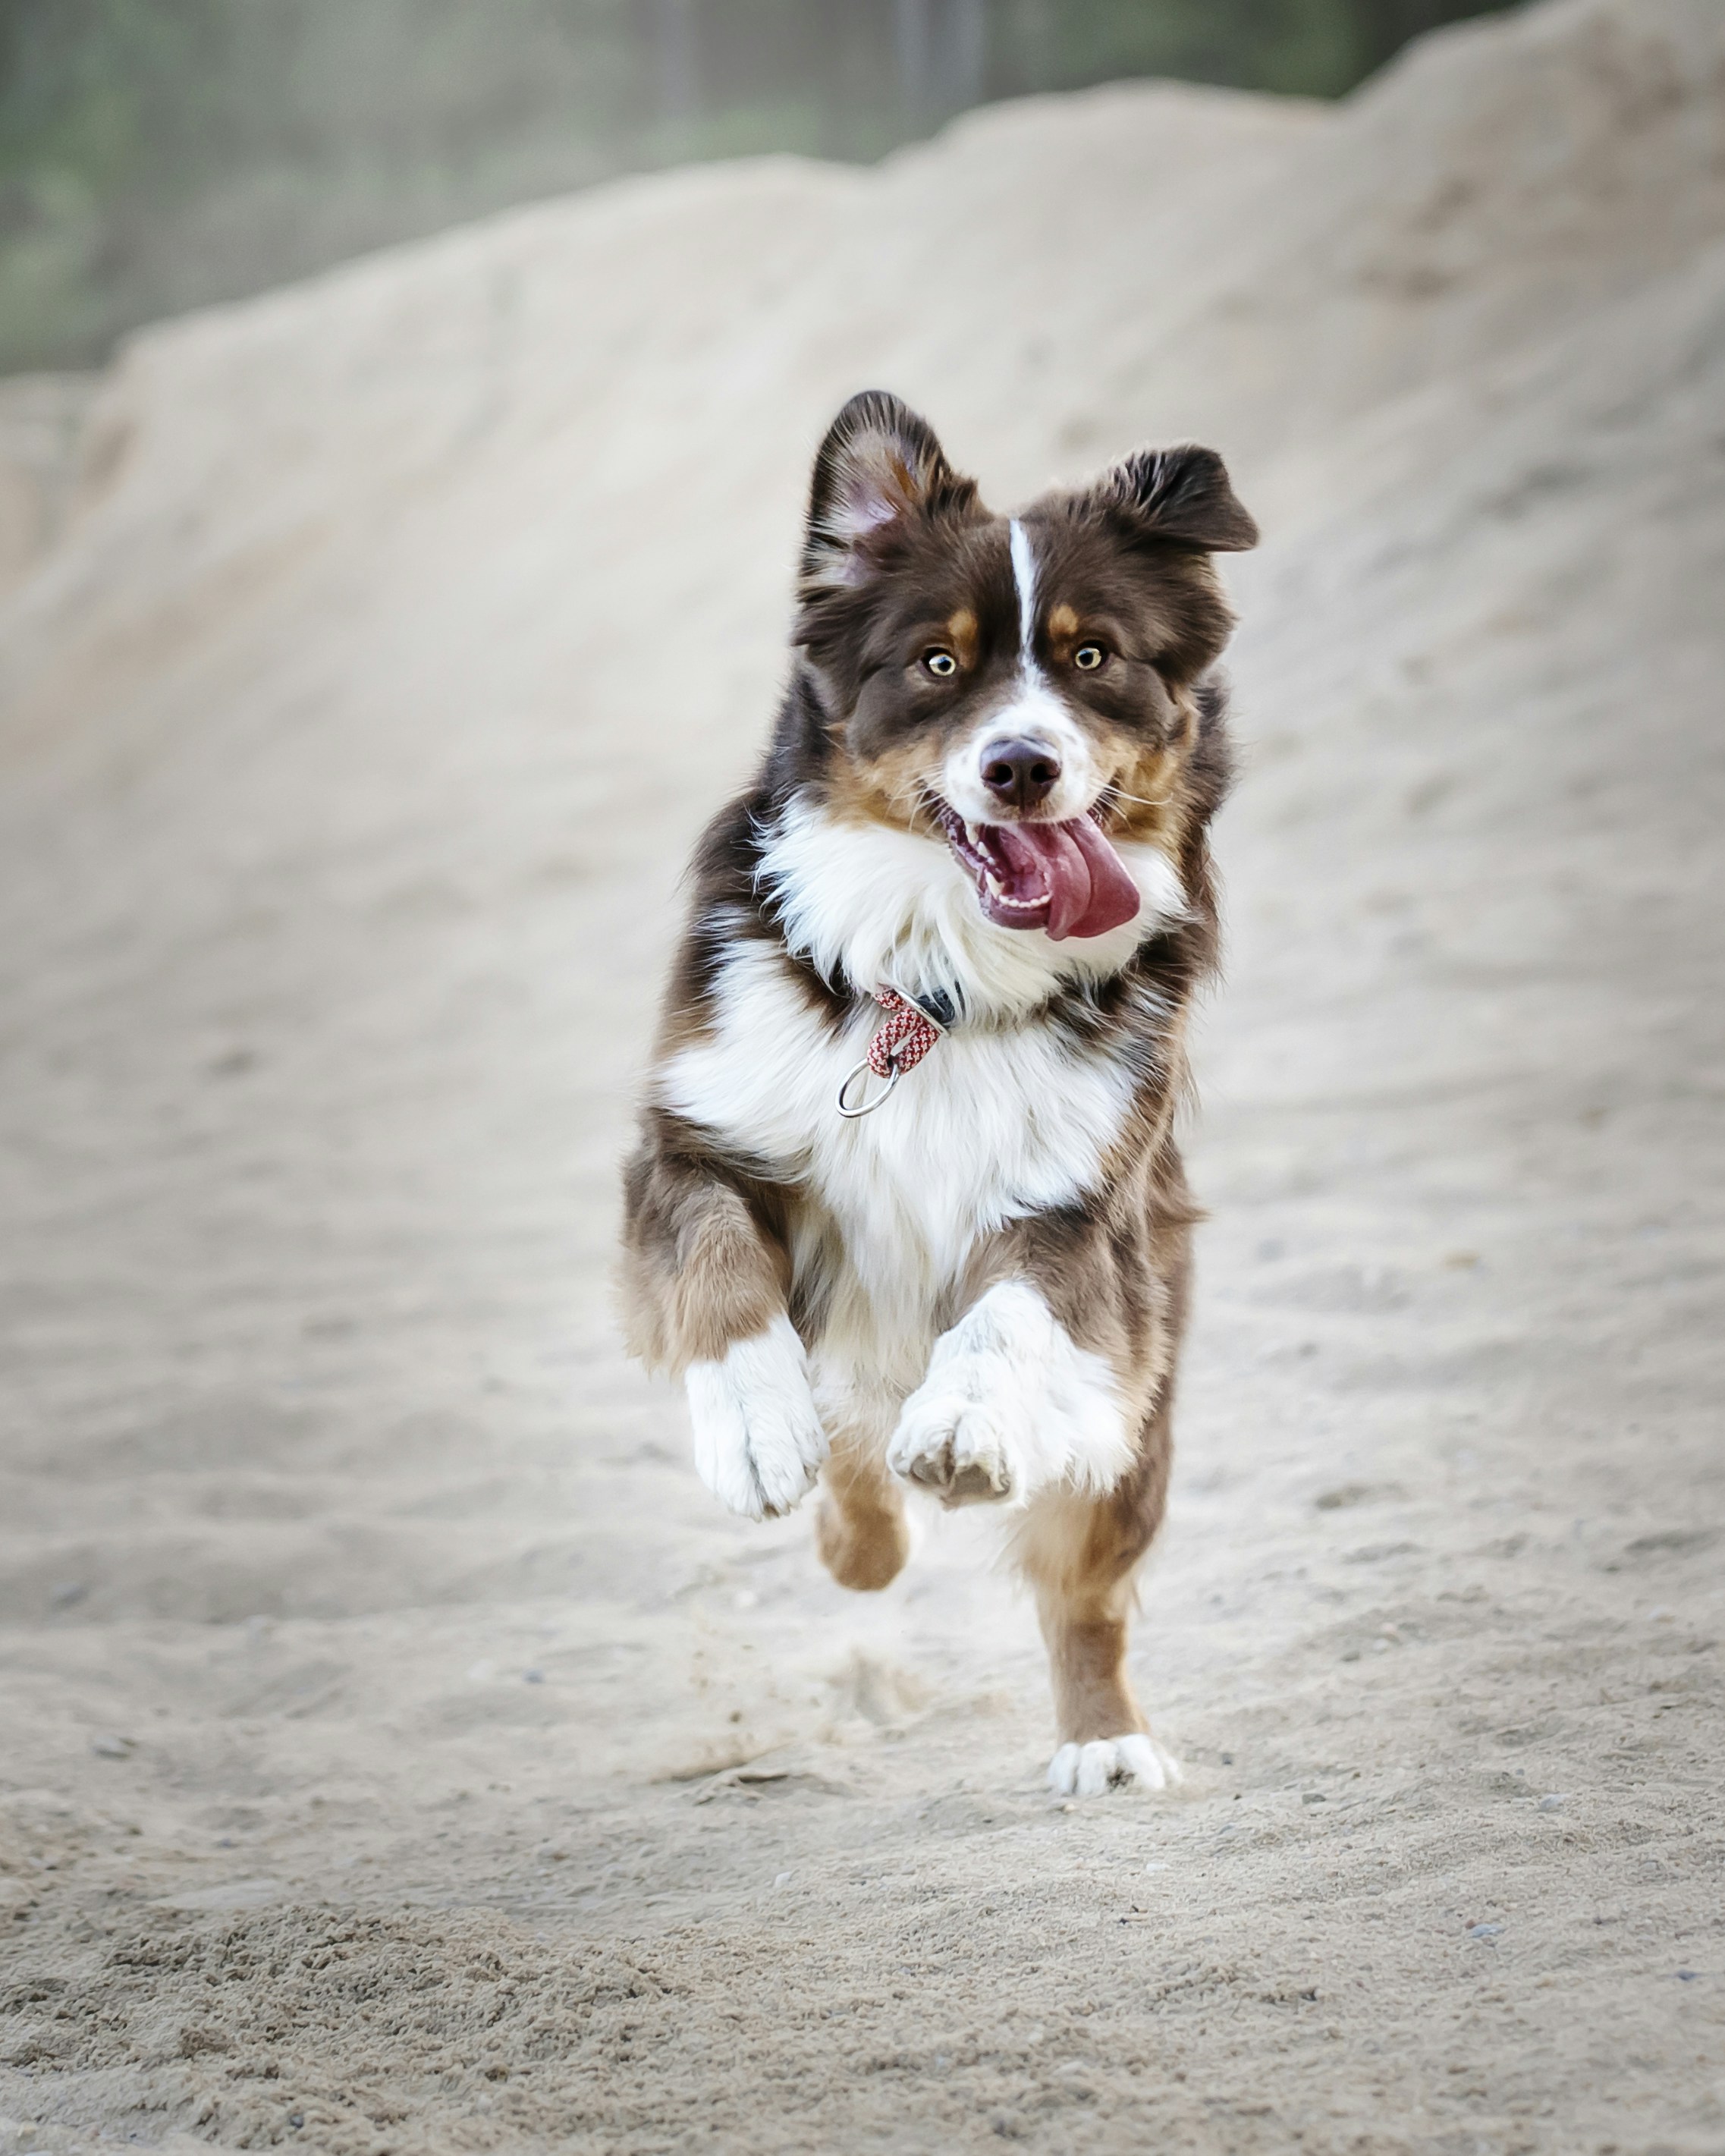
859,1528
1080,1554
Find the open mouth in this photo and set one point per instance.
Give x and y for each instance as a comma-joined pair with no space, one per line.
1064,877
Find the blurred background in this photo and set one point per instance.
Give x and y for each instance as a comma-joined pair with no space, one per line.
156,155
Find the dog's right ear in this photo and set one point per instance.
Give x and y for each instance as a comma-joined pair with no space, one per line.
879,467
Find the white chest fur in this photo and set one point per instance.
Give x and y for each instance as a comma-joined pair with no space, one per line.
990,1127
866,905
1000,1121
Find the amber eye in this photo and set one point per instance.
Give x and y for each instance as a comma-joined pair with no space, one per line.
1088,657
941,664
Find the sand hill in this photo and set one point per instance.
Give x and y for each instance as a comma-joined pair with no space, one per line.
399,1751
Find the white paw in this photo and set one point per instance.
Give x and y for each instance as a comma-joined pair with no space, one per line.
1112,1763
954,1446
759,1442
1009,1406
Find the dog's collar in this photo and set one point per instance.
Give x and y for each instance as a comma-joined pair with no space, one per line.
910,1028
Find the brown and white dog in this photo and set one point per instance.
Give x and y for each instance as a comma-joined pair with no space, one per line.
986,798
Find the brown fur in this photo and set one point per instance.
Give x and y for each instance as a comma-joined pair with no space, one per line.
859,1528
702,1266
901,556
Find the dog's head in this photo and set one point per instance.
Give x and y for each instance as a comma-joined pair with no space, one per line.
1020,688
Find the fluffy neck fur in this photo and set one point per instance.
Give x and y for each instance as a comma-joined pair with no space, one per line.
863,904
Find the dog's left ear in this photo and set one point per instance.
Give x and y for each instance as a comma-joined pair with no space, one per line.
1182,495
880,467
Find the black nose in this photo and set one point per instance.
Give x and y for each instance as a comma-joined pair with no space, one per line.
1019,773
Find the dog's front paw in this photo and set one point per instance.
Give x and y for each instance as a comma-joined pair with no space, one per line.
1112,1763
759,1442
952,1444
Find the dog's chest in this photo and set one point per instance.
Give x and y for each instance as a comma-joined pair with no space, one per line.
990,1127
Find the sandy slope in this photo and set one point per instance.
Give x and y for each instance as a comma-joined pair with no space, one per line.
397,1750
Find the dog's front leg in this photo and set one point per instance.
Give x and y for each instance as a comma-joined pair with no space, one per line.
759,1442
1011,1404
1015,1409
704,1283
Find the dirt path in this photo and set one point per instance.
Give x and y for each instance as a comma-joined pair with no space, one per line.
397,1750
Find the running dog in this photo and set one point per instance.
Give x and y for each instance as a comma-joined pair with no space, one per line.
907,1211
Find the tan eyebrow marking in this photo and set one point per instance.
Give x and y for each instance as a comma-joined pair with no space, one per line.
962,627
1062,623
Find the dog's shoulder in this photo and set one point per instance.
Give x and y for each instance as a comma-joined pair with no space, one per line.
729,912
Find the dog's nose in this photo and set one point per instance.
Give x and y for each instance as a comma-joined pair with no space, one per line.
1020,773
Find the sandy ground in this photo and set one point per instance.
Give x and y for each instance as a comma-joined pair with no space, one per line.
399,1751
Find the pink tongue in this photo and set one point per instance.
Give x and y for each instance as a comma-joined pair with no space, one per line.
1089,891
1113,896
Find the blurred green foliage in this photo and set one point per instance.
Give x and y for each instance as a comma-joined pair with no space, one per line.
158,154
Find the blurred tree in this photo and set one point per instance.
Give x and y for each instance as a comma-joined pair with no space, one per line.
1385,26
673,34
156,154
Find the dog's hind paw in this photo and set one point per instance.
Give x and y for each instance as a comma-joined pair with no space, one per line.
759,1442
1112,1762
948,1446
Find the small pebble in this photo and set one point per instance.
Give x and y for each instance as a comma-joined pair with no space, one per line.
1687,1975
1553,1804
1153,1866
534,1676
107,1745
784,1878
1485,1931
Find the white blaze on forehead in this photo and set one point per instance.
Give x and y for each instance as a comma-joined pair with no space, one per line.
1024,575
1032,711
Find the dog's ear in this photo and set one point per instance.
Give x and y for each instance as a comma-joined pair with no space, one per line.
1182,495
879,467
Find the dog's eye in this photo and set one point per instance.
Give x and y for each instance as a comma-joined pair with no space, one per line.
1088,657
941,664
